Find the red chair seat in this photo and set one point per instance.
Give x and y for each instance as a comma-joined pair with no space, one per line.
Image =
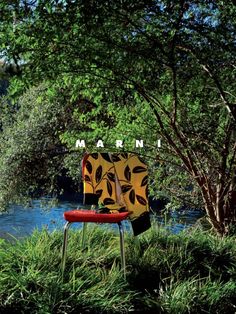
91,216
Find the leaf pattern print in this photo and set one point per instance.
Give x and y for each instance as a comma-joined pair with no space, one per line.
144,181
141,200
89,167
141,160
87,178
109,188
124,155
95,155
139,169
132,196
106,157
108,201
127,173
115,158
99,193
126,187
98,174
111,176
101,172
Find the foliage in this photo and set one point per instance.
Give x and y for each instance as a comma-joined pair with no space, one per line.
192,272
153,69
32,155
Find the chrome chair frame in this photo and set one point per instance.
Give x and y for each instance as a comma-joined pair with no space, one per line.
65,244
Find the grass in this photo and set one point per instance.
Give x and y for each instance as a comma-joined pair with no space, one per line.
192,272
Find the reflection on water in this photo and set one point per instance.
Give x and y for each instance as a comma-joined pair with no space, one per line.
20,221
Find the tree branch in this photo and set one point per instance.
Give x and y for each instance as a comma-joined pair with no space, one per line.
207,69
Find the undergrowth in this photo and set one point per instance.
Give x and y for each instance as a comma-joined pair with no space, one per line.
192,272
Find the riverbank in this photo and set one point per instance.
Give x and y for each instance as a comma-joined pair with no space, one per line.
189,272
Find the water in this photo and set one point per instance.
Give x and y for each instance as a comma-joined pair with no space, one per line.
20,222
176,221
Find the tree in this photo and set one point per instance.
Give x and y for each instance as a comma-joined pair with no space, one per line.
33,157
175,60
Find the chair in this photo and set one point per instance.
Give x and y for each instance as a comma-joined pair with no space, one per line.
118,182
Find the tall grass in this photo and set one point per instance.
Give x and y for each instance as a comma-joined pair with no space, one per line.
192,272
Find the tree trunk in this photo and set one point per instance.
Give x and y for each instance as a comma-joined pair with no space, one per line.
211,214
222,213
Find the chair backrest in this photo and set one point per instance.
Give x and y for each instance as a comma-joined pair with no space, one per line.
119,183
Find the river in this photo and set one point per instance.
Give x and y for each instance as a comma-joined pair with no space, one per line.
20,221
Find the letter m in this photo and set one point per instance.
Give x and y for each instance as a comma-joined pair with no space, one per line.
80,143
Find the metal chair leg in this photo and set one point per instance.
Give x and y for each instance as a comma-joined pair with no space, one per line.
122,248
84,231
64,248
84,234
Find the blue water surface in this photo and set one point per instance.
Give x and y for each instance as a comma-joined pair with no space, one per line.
20,221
